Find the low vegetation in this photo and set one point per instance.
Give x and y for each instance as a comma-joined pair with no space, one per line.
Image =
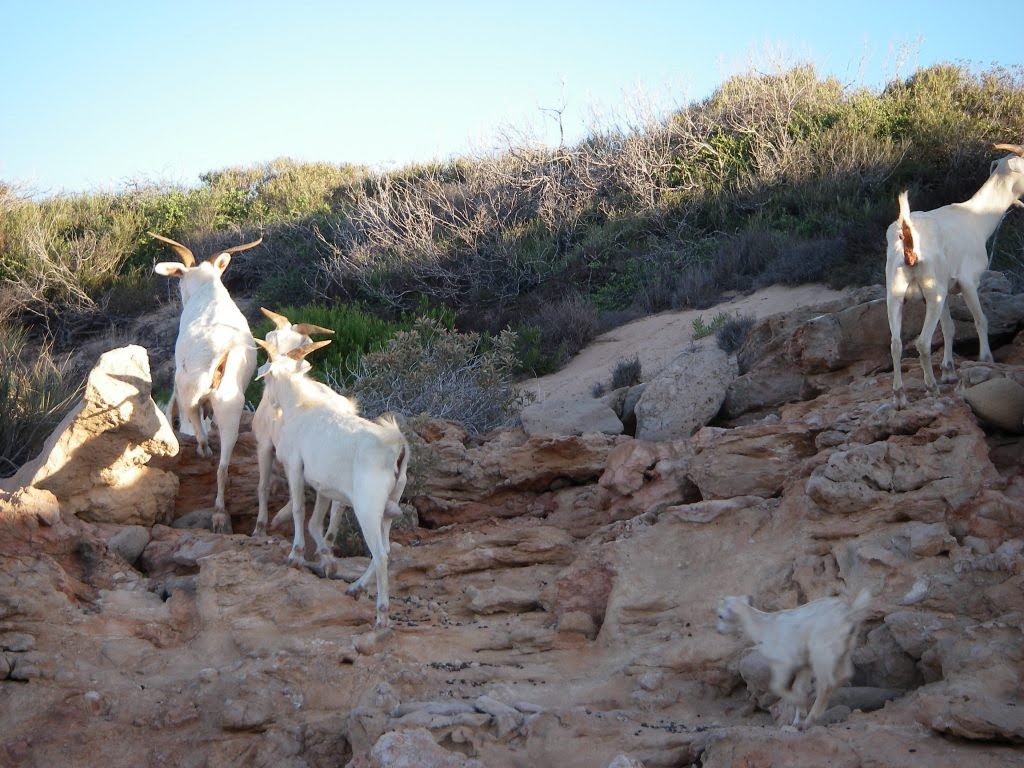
36,391
774,178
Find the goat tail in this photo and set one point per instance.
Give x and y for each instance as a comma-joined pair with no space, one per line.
395,438
907,234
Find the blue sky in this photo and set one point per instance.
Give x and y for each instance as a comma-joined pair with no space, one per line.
97,93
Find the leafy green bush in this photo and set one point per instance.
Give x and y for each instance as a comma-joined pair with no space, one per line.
438,371
702,329
355,332
36,391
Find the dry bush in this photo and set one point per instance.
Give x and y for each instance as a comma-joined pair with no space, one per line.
36,391
434,370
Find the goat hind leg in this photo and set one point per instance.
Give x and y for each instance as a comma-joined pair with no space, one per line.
924,341
948,330
970,292
894,305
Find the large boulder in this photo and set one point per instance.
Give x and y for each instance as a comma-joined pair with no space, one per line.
570,417
95,461
686,395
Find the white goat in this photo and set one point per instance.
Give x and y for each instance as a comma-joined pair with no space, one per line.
344,457
214,357
267,420
817,638
929,250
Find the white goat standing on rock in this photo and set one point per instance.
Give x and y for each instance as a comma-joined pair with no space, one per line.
815,639
929,250
344,457
214,357
266,422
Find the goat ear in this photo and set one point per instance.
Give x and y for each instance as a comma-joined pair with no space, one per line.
992,167
1016,164
220,261
170,269
268,348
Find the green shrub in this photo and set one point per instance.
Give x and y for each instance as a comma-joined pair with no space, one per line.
36,391
702,329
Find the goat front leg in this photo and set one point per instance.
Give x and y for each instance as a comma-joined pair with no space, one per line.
297,490
894,305
265,458
948,331
227,414
932,313
970,292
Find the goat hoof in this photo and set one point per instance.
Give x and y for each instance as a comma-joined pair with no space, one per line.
330,567
260,529
899,399
221,522
383,621
354,591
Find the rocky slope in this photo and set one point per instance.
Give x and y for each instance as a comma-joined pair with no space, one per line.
556,604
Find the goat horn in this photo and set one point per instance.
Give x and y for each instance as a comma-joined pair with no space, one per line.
236,248
301,352
184,253
1017,149
280,321
268,348
309,329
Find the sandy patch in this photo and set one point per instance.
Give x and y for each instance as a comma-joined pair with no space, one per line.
658,339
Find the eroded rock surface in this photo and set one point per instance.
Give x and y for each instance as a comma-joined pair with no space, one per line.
556,607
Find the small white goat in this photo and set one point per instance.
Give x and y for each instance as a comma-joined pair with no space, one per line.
929,250
817,638
266,421
344,457
214,357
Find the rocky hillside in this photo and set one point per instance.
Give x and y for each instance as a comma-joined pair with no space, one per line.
555,606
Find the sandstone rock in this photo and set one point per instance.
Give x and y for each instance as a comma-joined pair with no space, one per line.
864,698
416,748
936,467
95,461
129,542
578,622
570,417
748,461
773,382
999,402
506,719
625,761
197,518
686,395
507,475
863,745
975,715
500,600
28,501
